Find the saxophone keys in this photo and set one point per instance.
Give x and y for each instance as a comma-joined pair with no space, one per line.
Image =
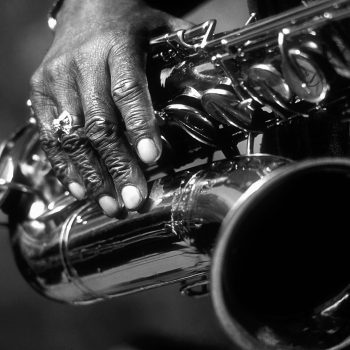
224,106
186,112
266,83
305,76
193,121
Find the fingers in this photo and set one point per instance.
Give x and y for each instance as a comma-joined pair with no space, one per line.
131,96
93,158
61,164
106,135
71,155
45,111
78,148
65,103
117,156
81,153
102,81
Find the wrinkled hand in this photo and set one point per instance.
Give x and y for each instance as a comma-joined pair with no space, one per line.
95,70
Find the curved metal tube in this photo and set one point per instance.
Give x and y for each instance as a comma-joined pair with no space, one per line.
280,272
88,257
276,229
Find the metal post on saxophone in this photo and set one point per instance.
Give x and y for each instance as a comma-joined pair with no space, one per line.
266,73
265,235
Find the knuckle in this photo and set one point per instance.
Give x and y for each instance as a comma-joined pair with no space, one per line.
94,128
100,132
93,182
120,163
97,108
90,174
48,143
103,136
120,169
118,44
75,143
127,90
36,81
93,112
60,169
136,120
50,146
55,69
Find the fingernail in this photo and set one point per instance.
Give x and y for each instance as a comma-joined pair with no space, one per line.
147,150
131,197
109,205
77,190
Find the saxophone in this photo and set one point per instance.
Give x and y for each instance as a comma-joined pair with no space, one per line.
261,228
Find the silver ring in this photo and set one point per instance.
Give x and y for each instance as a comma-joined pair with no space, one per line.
63,124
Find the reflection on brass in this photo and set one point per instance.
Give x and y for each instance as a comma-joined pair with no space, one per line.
226,108
266,235
305,77
268,83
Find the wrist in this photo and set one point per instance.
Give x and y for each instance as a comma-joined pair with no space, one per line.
62,9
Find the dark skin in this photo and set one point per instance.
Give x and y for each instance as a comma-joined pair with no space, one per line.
95,70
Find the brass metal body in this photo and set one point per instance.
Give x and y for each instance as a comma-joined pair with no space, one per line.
217,195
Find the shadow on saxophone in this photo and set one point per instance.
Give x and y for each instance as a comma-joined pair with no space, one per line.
265,234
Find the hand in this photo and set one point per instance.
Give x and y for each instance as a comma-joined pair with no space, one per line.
95,71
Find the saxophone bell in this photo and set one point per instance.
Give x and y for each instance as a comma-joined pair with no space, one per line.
280,268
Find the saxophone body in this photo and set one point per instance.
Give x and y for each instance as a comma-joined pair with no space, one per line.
231,210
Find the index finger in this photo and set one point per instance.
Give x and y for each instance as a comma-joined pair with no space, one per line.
130,93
